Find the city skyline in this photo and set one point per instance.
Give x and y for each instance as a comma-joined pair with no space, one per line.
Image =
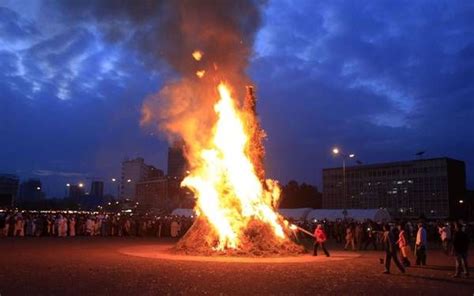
72,96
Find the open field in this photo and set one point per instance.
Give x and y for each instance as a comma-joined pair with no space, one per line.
95,266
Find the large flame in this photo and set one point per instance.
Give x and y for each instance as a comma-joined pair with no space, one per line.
229,193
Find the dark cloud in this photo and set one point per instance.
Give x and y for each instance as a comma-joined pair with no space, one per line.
383,79
379,79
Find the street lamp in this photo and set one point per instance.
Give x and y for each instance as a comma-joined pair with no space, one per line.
118,186
81,185
66,190
337,152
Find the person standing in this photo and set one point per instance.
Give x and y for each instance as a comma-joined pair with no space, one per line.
420,245
174,228
320,240
445,235
461,247
403,246
390,246
349,238
72,226
359,234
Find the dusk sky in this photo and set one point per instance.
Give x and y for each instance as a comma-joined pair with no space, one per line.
381,79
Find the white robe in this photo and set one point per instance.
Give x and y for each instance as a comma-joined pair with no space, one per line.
72,227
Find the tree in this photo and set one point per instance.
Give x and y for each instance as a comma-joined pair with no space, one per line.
300,196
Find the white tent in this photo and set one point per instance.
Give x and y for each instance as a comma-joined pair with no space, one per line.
378,215
296,214
183,212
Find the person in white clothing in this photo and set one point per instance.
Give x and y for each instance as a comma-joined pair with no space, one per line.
62,226
90,226
19,226
175,227
72,227
420,245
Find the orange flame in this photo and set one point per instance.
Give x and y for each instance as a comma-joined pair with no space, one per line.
228,191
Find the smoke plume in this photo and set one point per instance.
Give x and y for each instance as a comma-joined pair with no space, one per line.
167,33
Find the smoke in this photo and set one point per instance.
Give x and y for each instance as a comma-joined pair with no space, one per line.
168,32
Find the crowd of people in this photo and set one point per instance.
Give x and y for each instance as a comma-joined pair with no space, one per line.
64,224
396,240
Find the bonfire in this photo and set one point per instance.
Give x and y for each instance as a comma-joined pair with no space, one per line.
234,203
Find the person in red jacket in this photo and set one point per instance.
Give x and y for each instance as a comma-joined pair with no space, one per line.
319,240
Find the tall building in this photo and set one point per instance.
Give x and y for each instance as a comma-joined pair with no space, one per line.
8,189
428,187
76,192
134,171
154,173
30,190
97,189
177,164
163,193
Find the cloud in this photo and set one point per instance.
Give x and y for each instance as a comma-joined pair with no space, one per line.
45,173
380,79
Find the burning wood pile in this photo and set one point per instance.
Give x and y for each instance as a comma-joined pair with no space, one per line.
209,109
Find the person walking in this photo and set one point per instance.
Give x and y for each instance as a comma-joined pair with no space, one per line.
420,245
390,246
320,240
403,246
349,238
445,235
461,247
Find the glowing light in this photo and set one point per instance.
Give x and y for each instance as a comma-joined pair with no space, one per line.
197,55
335,150
229,193
200,73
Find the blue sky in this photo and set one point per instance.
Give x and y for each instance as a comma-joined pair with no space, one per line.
382,79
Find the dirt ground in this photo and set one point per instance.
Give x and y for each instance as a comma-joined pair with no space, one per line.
94,266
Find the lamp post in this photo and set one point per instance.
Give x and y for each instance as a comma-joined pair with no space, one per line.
337,152
114,180
67,189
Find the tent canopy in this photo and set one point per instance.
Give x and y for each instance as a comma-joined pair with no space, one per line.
378,215
183,212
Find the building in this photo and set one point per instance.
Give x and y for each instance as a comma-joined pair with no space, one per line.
76,192
163,193
154,173
97,189
8,189
30,191
177,164
431,188
133,172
